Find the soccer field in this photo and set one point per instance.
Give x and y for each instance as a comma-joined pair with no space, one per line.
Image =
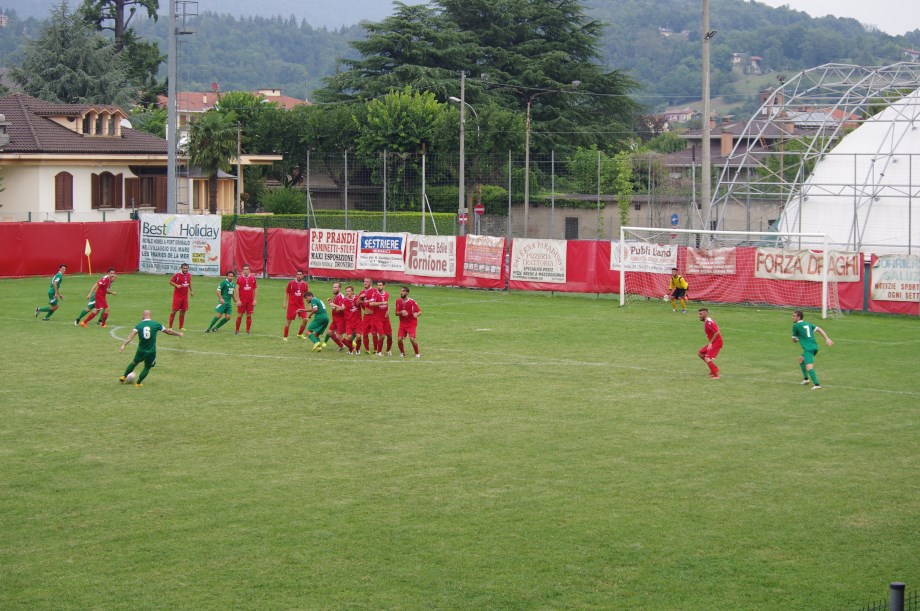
545,452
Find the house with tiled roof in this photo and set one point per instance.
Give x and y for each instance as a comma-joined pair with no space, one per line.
192,103
78,162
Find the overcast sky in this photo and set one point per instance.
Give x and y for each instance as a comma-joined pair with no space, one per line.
891,16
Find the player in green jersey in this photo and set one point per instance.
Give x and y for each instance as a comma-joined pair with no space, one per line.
146,330
54,294
804,333
317,309
224,307
90,306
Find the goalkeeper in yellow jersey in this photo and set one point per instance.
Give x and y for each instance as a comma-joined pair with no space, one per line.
677,290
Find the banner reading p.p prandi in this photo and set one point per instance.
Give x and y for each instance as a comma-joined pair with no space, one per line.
534,260
169,240
484,256
333,249
431,255
779,264
643,257
896,278
381,251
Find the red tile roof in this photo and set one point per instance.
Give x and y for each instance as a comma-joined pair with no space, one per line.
200,101
32,130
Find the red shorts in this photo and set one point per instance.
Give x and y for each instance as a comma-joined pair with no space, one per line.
385,326
407,329
101,302
337,325
351,326
711,353
292,312
245,308
372,324
180,303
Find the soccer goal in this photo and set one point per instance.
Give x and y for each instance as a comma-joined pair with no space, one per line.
762,269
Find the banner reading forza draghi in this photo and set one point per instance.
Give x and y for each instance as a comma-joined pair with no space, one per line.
333,249
169,240
484,256
534,260
896,278
381,251
779,264
431,255
643,257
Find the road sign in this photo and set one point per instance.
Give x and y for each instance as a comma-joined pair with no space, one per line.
462,217
479,209
675,219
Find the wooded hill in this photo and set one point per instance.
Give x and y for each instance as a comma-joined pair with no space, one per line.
657,41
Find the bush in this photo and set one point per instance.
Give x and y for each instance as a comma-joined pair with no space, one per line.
284,201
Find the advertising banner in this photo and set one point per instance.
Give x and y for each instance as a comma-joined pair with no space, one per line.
431,255
643,257
779,264
169,240
717,261
896,278
534,260
381,251
484,256
333,249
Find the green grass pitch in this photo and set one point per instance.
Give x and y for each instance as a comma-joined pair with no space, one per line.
545,452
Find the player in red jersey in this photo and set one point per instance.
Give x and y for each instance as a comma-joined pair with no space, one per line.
364,321
352,317
294,304
182,290
383,313
336,328
102,288
372,320
710,351
246,287
408,312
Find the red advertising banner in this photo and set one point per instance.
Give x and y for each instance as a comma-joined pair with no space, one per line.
717,261
485,256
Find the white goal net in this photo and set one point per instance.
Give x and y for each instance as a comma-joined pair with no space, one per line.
762,269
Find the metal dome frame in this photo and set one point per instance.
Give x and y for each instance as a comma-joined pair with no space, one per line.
854,93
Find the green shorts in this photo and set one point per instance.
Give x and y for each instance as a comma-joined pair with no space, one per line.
318,325
224,308
148,358
52,300
808,357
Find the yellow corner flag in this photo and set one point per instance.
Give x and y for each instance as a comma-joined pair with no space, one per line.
88,251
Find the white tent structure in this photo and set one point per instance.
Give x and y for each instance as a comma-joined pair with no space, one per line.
849,163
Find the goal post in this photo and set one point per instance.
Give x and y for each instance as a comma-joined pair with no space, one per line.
767,269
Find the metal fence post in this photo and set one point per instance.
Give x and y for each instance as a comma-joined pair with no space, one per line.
896,597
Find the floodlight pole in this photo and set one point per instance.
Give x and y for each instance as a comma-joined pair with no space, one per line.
705,184
172,131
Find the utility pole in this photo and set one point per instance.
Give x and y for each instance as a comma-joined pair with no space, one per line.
705,185
461,207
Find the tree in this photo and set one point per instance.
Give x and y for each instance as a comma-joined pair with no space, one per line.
623,184
150,120
402,121
143,58
70,64
212,146
532,51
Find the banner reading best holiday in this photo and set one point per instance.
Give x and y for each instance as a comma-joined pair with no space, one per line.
779,264
333,249
484,256
431,255
716,261
643,257
381,251
169,240
896,278
534,260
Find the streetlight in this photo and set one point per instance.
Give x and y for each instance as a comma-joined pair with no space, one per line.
461,206
463,106
530,98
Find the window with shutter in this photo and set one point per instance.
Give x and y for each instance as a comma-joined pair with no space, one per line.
63,191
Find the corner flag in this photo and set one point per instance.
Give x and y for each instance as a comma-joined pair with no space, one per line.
88,251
